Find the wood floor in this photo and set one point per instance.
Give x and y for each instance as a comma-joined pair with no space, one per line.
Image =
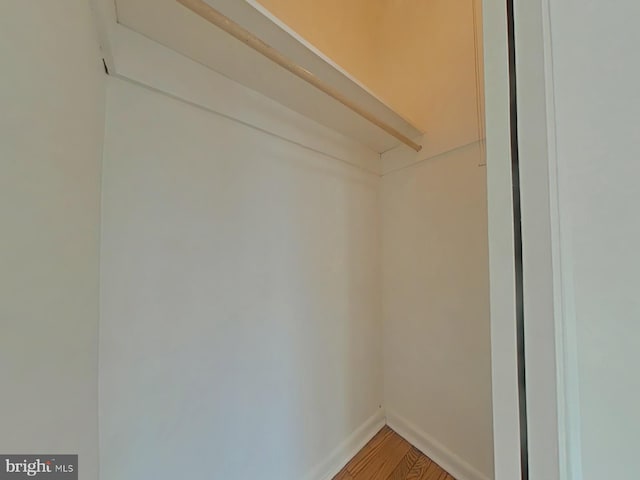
388,456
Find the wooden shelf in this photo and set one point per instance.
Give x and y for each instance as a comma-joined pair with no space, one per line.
172,25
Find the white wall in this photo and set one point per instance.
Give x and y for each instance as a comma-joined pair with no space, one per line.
597,126
51,130
436,309
240,328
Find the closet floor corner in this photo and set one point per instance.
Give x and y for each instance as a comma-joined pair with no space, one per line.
388,456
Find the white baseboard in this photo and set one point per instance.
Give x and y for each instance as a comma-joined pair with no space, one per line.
452,463
338,458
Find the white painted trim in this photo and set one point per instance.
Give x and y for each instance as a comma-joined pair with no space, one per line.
537,238
169,24
448,460
394,160
148,63
504,378
134,57
340,456
569,428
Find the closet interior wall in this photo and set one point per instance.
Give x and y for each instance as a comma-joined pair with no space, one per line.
425,60
240,298
437,346
270,292
437,336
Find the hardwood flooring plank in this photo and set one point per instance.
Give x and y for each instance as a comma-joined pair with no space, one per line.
407,462
434,472
388,456
343,475
419,469
369,451
381,465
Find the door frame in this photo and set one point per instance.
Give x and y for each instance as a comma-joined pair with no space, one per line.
533,365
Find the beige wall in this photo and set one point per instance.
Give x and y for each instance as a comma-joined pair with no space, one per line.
418,56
